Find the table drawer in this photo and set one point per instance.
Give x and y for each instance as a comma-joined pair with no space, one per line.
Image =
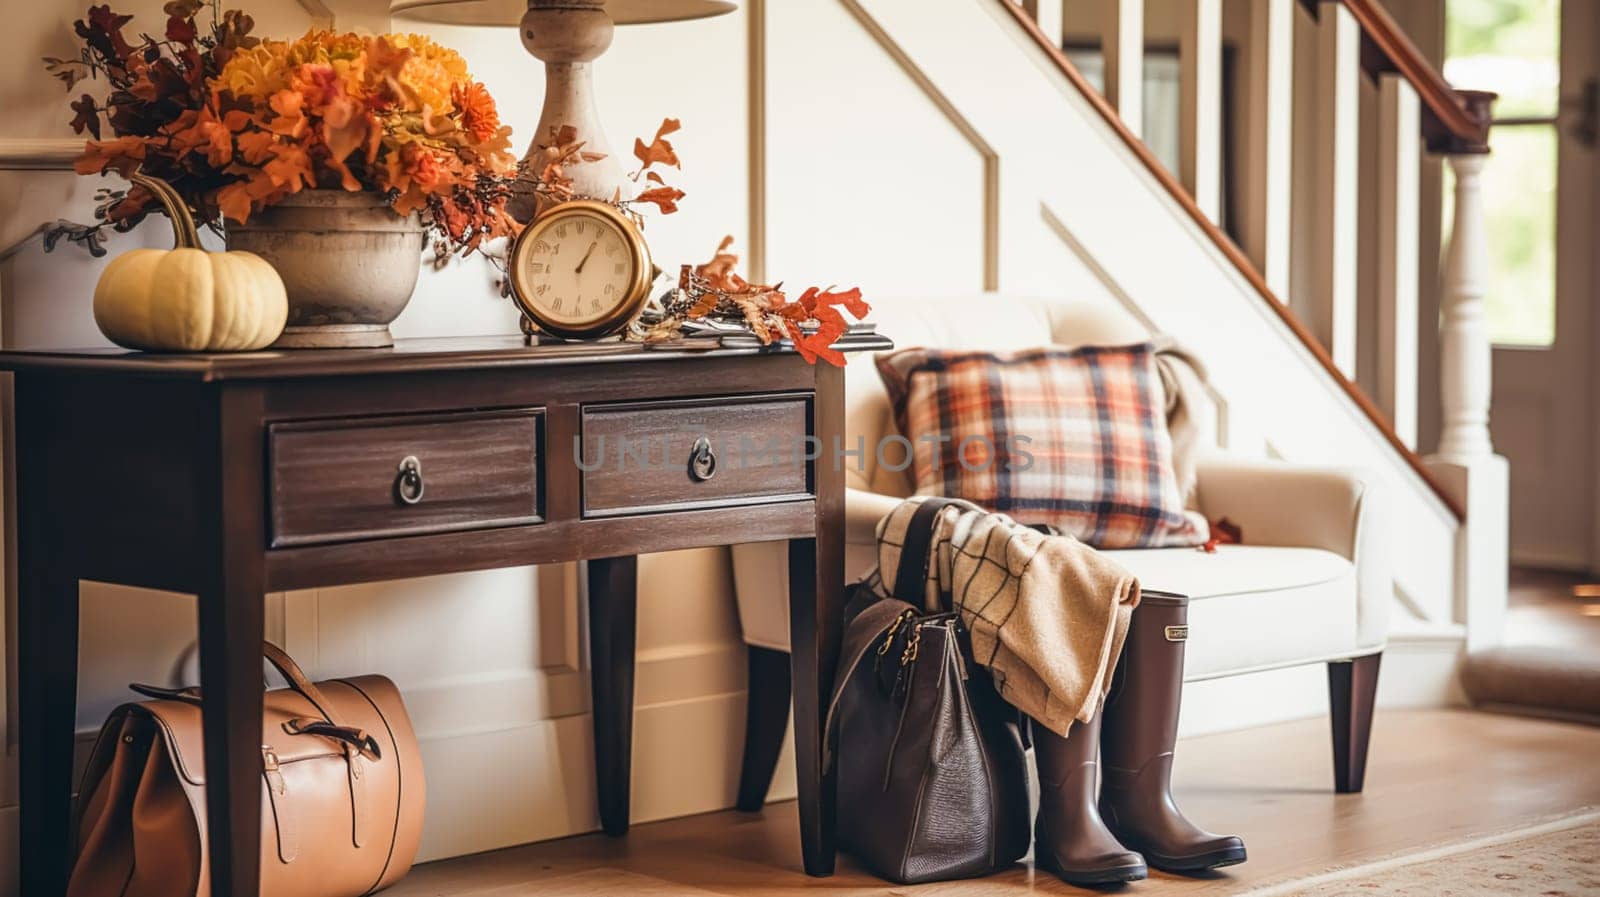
653,456
341,480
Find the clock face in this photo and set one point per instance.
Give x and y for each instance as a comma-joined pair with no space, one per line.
581,269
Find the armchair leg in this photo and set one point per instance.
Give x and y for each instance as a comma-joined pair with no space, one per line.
1352,689
766,720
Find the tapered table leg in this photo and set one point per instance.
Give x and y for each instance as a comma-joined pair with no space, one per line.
47,667
47,649
813,626
613,621
766,721
816,607
231,689
232,603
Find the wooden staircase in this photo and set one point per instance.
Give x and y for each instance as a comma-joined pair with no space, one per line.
1417,111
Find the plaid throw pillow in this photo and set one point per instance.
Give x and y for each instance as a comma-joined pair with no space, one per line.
1070,438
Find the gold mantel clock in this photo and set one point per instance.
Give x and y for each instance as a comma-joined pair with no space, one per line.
581,270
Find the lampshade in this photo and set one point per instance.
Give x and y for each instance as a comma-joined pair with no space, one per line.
509,12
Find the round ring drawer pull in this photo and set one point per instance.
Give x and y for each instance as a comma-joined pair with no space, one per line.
408,484
702,460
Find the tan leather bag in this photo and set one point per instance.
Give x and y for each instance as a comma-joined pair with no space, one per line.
341,793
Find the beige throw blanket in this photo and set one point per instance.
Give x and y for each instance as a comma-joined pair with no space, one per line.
1046,614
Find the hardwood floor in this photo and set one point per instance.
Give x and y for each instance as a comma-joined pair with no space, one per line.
1435,776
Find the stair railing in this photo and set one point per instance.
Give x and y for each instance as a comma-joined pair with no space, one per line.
1317,290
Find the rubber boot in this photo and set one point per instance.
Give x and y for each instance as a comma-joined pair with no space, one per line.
1069,839
1139,732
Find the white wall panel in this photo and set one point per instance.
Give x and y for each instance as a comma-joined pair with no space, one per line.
870,184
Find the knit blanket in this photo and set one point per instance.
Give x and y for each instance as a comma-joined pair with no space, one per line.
1046,614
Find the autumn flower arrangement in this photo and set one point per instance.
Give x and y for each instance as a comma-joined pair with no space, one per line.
235,123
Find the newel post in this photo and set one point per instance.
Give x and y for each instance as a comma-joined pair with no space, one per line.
1478,478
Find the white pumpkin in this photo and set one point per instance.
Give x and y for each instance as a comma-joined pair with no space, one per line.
186,299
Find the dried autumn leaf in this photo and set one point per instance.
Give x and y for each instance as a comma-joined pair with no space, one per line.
850,299
68,71
755,317
180,29
87,117
663,198
122,155
660,149
822,306
705,305
718,272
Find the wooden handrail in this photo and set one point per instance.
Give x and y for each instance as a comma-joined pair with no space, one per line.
1230,250
1453,121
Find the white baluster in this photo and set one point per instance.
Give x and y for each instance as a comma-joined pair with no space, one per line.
1477,478
1398,198
1264,219
1465,353
1200,109
1335,165
1122,42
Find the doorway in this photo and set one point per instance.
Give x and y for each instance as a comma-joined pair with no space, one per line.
1539,196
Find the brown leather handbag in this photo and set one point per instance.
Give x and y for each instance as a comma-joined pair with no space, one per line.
932,774
341,793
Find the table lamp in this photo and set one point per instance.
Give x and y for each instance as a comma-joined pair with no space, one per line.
567,35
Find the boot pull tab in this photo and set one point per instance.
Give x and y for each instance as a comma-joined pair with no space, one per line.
1177,633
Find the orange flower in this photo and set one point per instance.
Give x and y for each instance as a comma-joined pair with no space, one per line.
478,113
255,147
290,168
318,84
290,120
423,167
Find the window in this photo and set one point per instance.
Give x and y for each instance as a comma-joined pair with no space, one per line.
1513,47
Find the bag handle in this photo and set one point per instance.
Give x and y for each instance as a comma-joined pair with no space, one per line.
911,574
330,726
869,625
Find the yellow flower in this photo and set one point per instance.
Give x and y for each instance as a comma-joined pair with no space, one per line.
254,73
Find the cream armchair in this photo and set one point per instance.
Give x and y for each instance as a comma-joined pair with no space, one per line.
1310,584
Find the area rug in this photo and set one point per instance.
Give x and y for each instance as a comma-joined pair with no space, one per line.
1562,682
1560,858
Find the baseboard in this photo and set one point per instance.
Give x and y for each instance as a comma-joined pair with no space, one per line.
1545,559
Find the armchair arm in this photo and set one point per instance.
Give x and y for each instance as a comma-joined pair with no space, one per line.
862,511
761,569
1335,509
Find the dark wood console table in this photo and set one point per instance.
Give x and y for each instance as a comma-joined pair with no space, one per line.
231,476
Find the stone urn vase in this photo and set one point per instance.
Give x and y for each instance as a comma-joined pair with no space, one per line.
348,263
